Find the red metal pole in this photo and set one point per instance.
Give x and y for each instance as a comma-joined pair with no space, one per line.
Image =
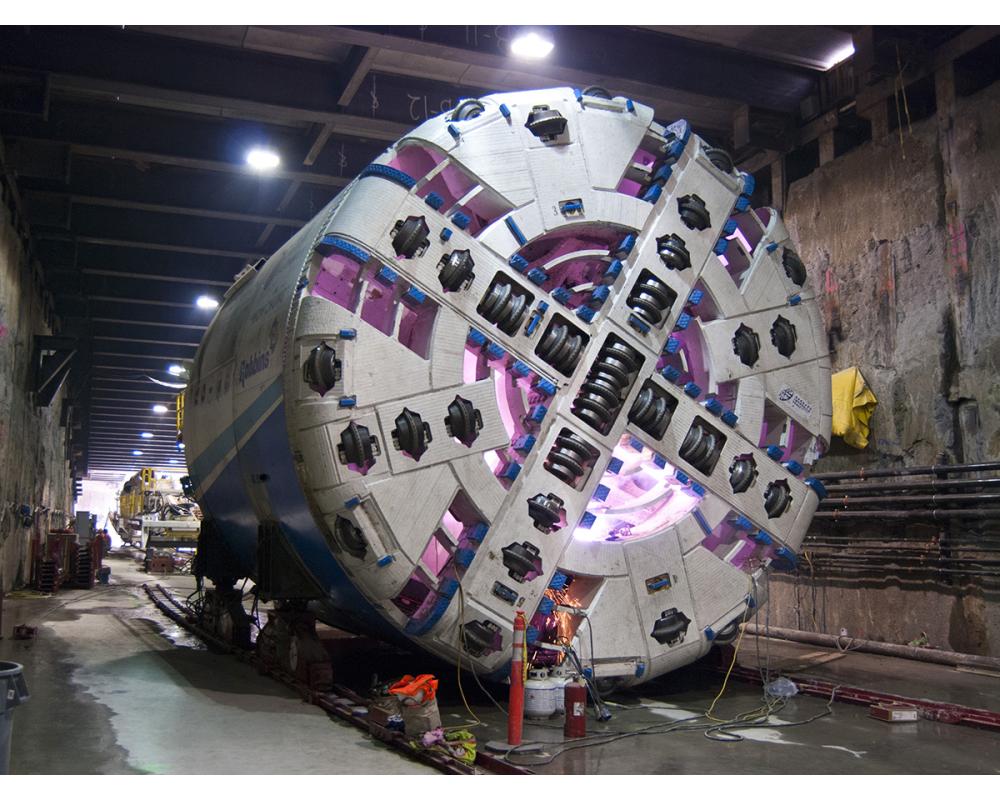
515,716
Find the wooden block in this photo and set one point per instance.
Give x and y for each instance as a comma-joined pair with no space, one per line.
894,712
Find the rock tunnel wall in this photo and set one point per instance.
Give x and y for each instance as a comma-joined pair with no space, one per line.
903,236
34,470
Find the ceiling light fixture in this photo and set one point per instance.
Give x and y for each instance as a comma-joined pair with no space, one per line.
159,408
531,45
206,302
263,160
137,452
176,369
840,55
146,435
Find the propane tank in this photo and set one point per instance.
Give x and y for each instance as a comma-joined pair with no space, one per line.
575,695
560,676
540,695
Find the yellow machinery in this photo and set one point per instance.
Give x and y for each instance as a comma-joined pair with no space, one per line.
153,512
180,415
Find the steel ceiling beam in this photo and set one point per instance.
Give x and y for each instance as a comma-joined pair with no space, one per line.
159,208
148,457
118,424
210,165
112,379
125,412
133,441
125,426
177,325
137,400
427,60
131,465
121,354
413,57
148,417
112,273
163,442
185,162
120,368
160,439
143,341
160,246
115,91
358,74
803,46
152,389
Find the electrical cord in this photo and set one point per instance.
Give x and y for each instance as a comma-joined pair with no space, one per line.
719,732
714,729
732,663
593,657
472,666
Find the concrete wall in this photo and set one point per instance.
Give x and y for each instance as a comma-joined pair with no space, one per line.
904,239
33,466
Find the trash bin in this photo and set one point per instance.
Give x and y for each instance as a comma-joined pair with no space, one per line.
13,692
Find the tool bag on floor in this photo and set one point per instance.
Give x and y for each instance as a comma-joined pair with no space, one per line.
419,698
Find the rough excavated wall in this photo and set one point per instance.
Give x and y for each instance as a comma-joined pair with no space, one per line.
33,466
923,325
913,284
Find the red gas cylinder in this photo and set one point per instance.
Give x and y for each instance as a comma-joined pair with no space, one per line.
575,695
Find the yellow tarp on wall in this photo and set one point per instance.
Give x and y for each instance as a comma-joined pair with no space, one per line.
853,406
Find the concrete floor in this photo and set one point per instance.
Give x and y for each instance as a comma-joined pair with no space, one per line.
117,688
845,742
975,688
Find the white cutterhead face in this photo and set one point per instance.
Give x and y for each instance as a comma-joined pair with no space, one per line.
547,358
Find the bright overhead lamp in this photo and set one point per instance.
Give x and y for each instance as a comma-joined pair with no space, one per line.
137,452
531,45
173,461
180,445
840,55
206,302
263,160
159,408
146,435
176,369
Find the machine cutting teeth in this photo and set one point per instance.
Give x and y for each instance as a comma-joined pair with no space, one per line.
322,369
463,421
455,270
411,434
409,237
545,511
673,252
358,446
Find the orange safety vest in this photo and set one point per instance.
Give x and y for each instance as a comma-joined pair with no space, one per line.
415,691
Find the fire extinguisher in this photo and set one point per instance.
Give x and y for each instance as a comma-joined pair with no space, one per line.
575,695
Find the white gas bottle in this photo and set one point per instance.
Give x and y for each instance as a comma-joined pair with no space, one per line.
560,676
540,695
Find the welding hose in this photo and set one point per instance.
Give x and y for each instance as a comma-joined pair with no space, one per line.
600,710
